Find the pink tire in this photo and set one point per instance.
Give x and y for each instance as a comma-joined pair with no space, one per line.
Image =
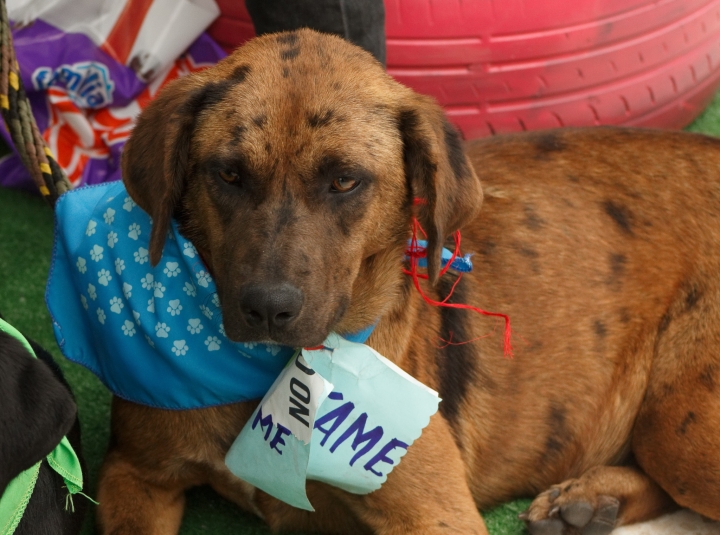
511,65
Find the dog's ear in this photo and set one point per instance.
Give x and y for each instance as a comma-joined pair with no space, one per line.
156,157
37,409
439,174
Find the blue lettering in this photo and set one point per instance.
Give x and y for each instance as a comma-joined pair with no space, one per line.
381,455
336,416
267,421
277,439
371,438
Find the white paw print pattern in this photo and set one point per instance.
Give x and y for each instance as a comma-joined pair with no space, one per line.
116,305
179,347
189,250
129,204
136,315
172,269
216,300
84,302
205,310
128,328
81,265
104,277
149,341
92,291
273,349
250,345
119,266
221,328
127,290
194,325
96,253
148,282
159,290
109,216
141,255
101,315
90,229
213,343
190,289
112,239
203,278
162,330
134,231
174,307
151,305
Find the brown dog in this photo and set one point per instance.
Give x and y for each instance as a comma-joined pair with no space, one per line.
292,166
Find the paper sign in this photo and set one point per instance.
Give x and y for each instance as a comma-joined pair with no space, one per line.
364,413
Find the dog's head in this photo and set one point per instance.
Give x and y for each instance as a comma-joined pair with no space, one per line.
292,165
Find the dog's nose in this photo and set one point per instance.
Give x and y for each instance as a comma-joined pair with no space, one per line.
273,306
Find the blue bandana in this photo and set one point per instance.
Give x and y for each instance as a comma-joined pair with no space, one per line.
153,335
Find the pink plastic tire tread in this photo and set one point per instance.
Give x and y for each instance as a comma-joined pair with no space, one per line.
511,65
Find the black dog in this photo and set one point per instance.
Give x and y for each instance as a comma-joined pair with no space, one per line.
37,409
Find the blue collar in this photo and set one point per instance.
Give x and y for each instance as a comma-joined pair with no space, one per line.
152,335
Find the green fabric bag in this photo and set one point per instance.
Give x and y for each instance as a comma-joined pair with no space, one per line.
62,459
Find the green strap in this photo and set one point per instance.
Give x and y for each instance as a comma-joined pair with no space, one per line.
16,497
62,459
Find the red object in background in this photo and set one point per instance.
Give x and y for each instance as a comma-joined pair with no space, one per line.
510,65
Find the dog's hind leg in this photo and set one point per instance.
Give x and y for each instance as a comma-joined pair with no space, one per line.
602,499
129,505
676,438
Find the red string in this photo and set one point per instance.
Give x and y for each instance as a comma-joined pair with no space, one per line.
415,252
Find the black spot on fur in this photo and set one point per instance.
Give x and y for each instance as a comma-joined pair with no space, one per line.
285,72
260,121
207,96
457,364
531,254
690,418
236,134
664,322
268,147
240,73
289,54
559,435
600,328
620,214
692,298
532,220
456,155
707,377
548,143
573,178
624,315
318,120
289,39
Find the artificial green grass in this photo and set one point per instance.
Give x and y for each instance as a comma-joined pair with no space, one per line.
25,247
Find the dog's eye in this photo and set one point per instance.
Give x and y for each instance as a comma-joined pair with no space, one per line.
230,177
344,184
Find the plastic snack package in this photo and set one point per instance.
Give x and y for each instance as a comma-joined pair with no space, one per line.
90,66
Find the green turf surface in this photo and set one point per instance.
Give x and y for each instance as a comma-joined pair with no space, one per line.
25,248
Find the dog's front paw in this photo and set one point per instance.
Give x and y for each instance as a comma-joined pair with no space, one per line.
569,509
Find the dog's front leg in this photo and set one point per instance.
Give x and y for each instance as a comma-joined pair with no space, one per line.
426,493
131,505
